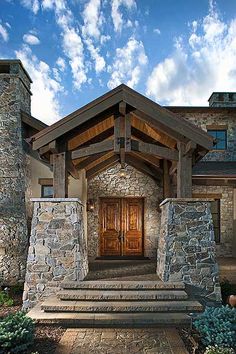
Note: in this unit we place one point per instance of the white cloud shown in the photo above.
(104, 38)
(61, 63)
(32, 5)
(116, 14)
(71, 40)
(73, 48)
(100, 63)
(93, 19)
(45, 103)
(3, 33)
(128, 64)
(157, 31)
(31, 39)
(204, 64)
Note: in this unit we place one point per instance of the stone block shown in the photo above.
(55, 254)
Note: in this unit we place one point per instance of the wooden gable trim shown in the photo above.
(77, 118)
(167, 119)
(151, 112)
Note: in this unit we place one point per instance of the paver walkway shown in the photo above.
(121, 341)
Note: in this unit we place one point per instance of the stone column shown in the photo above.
(186, 250)
(14, 97)
(57, 250)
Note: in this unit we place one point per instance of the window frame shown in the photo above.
(42, 190)
(215, 129)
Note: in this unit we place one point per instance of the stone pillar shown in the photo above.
(186, 250)
(14, 97)
(57, 250)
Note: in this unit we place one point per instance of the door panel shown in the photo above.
(121, 227)
(110, 227)
(133, 226)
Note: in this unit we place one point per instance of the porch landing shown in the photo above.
(122, 270)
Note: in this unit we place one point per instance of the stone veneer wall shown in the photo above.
(186, 250)
(216, 117)
(14, 97)
(224, 248)
(57, 251)
(109, 184)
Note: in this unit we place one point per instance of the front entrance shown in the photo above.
(121, 226)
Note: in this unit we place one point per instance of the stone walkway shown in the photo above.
(121, 341)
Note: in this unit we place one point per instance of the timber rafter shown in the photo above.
(124, 126)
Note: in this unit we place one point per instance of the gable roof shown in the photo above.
(151, 112)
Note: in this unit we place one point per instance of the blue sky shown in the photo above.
(175, 52)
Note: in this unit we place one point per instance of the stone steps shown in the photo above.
(122, 295)
(122, 285)
(53, 304)
(89, 320)
(117, 303)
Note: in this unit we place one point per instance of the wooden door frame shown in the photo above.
(100, 220)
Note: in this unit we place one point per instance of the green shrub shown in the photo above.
(217, 326)
(5, 299)
(227, 289)
(16, 333)
(218, 350)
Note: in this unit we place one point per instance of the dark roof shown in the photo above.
(199, 109)
(32, 121)
(215, 168)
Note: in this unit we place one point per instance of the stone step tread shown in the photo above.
(109, 319)
(116, 284)
(101, 295)
(56, 305)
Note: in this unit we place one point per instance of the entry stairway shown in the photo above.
(118, 303)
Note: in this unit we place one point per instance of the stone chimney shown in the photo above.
(222, 99)
(15, 97)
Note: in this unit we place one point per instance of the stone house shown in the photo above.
(91, 184)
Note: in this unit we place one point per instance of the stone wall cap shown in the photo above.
(56, 200)
(185, 200)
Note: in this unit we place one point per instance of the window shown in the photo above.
(221, 138)
(46, 191)
(215, 211)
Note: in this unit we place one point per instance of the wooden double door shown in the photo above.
(121, 226)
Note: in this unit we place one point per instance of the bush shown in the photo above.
(219, 350)
(217, 326)
(5, 299)
(16, 333)
(227, 289)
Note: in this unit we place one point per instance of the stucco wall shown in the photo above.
(109, 184)
(77, 188)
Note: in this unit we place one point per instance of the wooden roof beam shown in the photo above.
(106, 145)
(159, 151)
(171, 124)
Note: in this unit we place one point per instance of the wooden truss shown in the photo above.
(126, 127)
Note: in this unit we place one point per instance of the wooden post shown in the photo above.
(60, 175)
(184, 173)
(166, 180)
